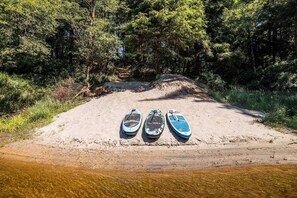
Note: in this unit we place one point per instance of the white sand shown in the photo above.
(97, 123)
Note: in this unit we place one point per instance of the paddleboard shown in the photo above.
(154, 124)
(131, 122)
(179, 124)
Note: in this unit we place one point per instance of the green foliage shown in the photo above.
(244, 42)
(17, 93)
(251, 41)
(280, 107)
(281, 75)
(211, 80)
(20, 126)
(28, 24)
(97, 42)
(98, 45)
(163, 33)
(31, 107)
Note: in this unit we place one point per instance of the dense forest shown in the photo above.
(221, 44)
(232, 42)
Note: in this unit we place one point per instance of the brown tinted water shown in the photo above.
(22, 179)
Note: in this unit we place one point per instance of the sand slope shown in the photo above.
(96, 124)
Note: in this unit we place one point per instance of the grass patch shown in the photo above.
(280, 107)
(24, 106)
(17, 93)
(21, 126)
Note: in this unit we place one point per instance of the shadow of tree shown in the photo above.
(132, 86)
(165, 80)
(255, 114)
(182, 93)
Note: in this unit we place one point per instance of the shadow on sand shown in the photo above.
(145, 138)
(182, 93)
(123, 135)
(254, 114)
(132, 86)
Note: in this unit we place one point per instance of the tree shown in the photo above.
(97, 41)
(30, 29)
(247, 37)
(162, 31)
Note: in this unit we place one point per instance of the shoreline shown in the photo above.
(90, 136)
(151, 158)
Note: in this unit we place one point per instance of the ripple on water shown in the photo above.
(21, 179)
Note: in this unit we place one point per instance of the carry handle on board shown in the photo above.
(155, 111)
(131, 113)
(172, 111)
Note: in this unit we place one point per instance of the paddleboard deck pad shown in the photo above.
(154, 124)
(131, 122)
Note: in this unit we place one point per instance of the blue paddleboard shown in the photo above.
(179, 124)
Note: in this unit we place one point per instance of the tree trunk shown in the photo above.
(172, 67)
(295, 36)
(253, 59)
(184, 67)
(198, 64)
(274, 47)
(269, 44)
(71, 49)
(93, 10)
(90, 61)
(252, 54)
(88, 71)
(156, 57)
(188, 69)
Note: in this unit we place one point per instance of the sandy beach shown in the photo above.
(90, 134)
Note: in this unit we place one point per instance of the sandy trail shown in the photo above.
(92, 131)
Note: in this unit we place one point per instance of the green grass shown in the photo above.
(17, 93)
(280, 107)
(24, 106)
(22, 125)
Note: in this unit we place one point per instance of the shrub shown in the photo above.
(21, 125)
(17, 93)
(99, 78)
(213, 81)
(62, 93)
(281, 76)
(66, 89)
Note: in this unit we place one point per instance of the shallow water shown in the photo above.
(23, 179)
